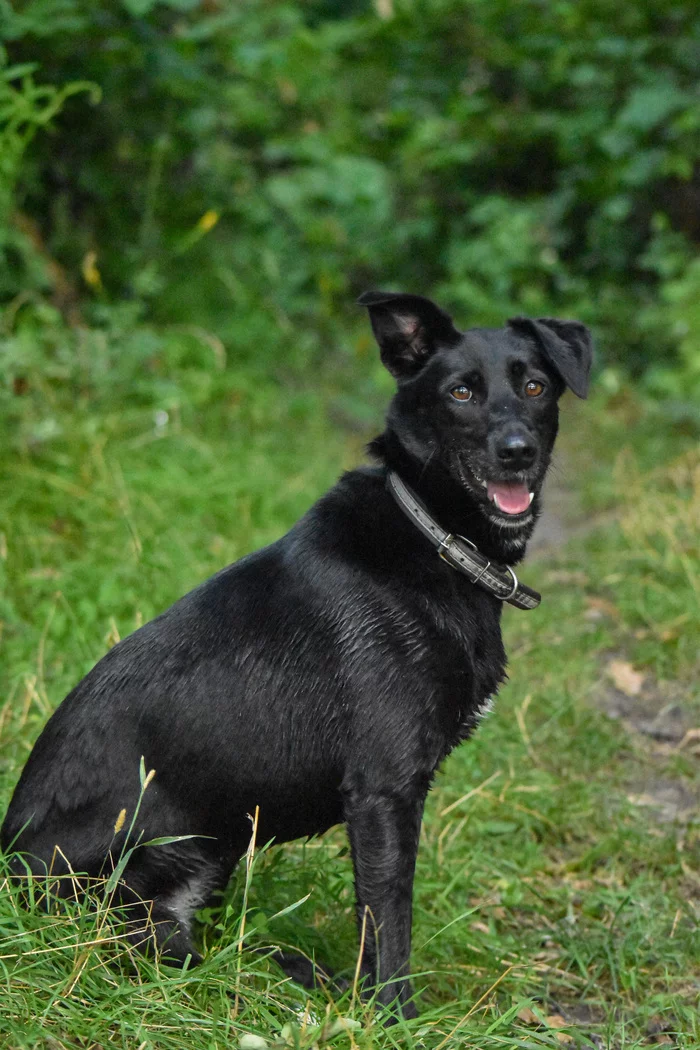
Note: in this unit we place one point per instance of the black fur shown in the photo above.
(325, 677)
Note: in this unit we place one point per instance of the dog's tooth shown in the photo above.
(532, 496)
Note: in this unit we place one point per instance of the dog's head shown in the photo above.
(479, 407)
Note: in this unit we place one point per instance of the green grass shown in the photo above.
(541, 883)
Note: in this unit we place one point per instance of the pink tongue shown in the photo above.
(511, 499)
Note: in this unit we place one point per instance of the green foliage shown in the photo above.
(25, 108)
(675, 318)
(253, 165)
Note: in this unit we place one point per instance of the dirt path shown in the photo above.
(654, 713)
(560, 519)
(660, 724)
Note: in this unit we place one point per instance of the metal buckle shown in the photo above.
(448, 540)
(487, 566)
(445, 545)
(515, 585)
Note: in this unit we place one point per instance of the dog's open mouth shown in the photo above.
(510, 498)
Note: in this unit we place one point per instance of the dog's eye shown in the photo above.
(461, 393)
(533, 388)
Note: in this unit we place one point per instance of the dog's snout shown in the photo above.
(516, 450)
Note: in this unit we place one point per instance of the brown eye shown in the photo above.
(533, 388)
(461, 393)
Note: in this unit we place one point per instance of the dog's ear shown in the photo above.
(567, 345)
(408, 329)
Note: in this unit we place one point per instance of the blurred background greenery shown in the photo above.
(245, 169)
(192, 195)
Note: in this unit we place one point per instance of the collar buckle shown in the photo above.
(508, 597)
(447, 541)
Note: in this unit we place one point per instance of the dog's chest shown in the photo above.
(466, 662)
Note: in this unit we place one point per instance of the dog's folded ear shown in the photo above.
(408, 328)
(567, 345)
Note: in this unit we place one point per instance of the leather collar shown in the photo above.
(460, 553)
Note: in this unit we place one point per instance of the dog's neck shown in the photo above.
(451, 504)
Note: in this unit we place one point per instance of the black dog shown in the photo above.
(325, 677)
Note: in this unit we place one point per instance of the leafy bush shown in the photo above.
(252, 166)
(25, 108)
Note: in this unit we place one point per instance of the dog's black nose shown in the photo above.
(516, 450)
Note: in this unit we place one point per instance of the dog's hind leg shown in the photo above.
(304, 971)
(158, 911)
(153, 926)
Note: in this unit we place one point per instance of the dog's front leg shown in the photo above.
(384, 829)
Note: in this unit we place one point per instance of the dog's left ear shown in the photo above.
(566, 344)
(408, 329)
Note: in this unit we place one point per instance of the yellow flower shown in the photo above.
(208, 221)
(91, 274)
